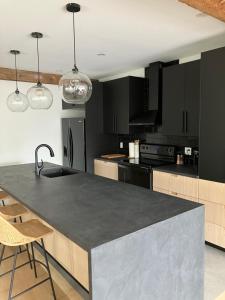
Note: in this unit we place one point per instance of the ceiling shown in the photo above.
(131, 33)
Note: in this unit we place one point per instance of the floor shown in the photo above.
(214, 274)
(25, 277)
(214, 280)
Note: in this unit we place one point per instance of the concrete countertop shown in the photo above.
(88, 209)
(185, 170)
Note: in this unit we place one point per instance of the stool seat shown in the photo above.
(23, 234)
(19, 234)
(3, 194)
(12, 211)
(33, 229)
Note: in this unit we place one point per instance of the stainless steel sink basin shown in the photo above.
(58, 172)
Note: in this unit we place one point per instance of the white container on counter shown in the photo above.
(136, 149)
(131, 150)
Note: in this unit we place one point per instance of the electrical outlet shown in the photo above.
(188, 150)
(121, 145)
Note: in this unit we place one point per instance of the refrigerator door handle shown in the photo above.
(68, 146)
(71, 148)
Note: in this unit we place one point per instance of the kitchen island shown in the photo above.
(121, 241)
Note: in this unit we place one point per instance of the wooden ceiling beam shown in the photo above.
(214, 8)
(29, 76)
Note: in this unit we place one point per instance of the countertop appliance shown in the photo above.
(139, 171)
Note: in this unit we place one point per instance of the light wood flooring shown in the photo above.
(24, 278)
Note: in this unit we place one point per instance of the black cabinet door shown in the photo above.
(97, 143)
(192, 98)
(122, 105)
(173, 100)
(109, 94)
(123, 98)
(212, 116)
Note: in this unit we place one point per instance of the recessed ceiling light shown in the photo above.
(101, 54)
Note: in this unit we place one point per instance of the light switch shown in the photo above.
(121, 145)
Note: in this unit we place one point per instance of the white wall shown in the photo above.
(21, 133)
(137, 72)
(141, 71)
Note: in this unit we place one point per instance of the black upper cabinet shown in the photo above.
(181, 97)
(123, 99)
(212, 116)
(173, 100)
(97, 143)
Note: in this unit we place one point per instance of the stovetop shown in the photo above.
(152, 155)
(147, 163)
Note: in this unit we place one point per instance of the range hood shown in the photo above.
(152, 115)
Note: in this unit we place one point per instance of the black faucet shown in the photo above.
(40, 166)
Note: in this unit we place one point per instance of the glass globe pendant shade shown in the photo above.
(75, 87)
(17, 102)
(39, 97)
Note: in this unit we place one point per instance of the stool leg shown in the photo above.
(35, 270)
(13, 274)
(48, 269)
(2, 254)
(28, 254)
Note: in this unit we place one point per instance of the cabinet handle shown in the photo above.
(174, 193)
(186, 121)
(183, 121)
(115, 124)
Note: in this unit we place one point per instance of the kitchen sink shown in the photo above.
(58, 172)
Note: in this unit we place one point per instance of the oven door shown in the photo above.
(136, 175)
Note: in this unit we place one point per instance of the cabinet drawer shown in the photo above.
(176, 184)
(106, 169)
(175, 194)
(212, 191)
(214, 213)
(214, 223)
(161, 180)
(215, 234)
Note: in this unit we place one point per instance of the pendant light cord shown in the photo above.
(17, 90)
(38, 61)
(74, 44)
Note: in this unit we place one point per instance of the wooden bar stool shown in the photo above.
(9, 212)
(13, 211)
(21, 234)
(2, 196)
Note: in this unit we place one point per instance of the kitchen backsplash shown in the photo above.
(158, 138)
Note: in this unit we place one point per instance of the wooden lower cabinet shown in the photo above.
(71, 256)
(212, 195)
(176, 185)
(209, 193)
(106, 169)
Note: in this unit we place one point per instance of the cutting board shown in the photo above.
(111, 156)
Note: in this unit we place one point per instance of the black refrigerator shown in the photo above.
(84, 138)
(74, 148)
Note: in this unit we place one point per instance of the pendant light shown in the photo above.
(76, 87)
(17, 102)
(38, 95)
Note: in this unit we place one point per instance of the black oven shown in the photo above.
(138, 171)
(137, 175)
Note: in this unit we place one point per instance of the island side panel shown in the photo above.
(162, 261)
